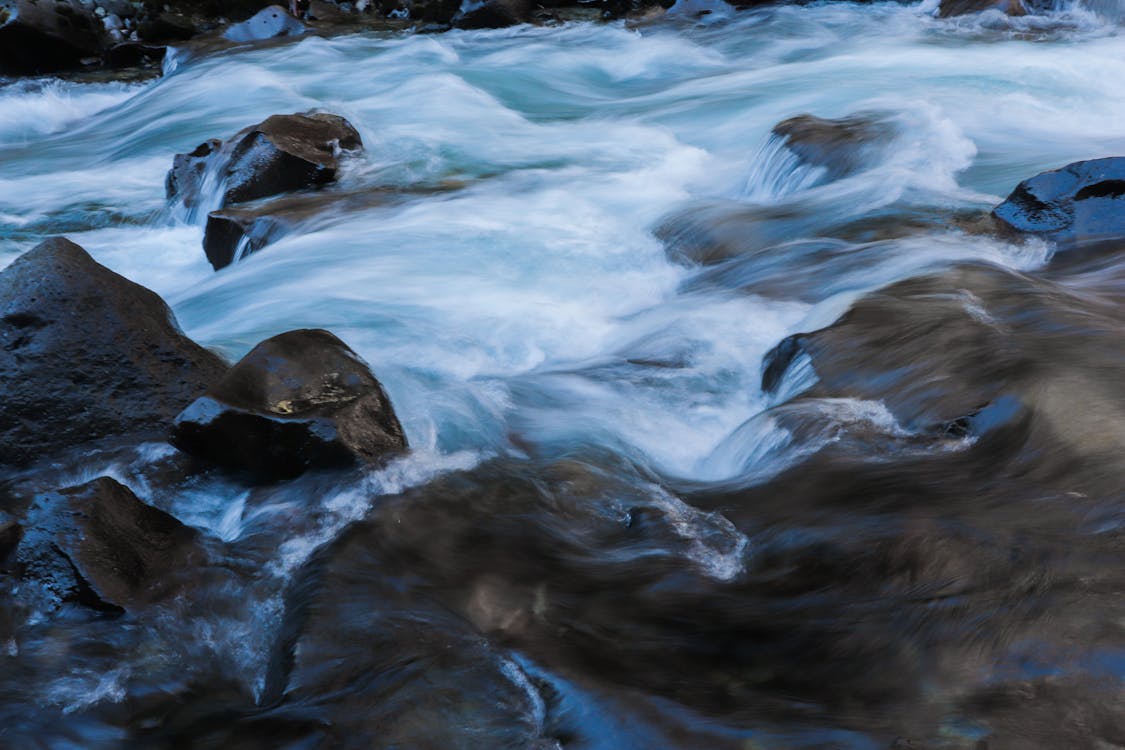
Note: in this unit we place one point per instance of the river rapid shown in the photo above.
(610, 532)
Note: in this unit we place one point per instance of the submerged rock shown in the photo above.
(299, 400)
(87, 354)
(949, 8)
(99, 545)
(237, 231)
(841, 146)
(268, 23)
(280, 154)
(45, 36)
(1081, 203)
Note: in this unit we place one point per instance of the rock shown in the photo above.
(87, 354)
(282, 153)
(167, 27)
(949, 8)
(129, 54)
(185, 179)
(840, 146)
(299, 400)
(10, 535)
(268, 23)
(1082, 203)
(99, 545)
(237, 231)
(45, 36)
(491, 14)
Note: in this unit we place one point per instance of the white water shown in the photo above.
(534, 309)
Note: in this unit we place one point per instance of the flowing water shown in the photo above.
(607, 533)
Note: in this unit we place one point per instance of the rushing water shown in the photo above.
(524, 316)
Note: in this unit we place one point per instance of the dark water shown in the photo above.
(712, 448)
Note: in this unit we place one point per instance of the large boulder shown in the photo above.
(282, 153)
(99, 545)
(45, 36)
(87, 354)
(299, 400)
(268, 23)
(1080, 204)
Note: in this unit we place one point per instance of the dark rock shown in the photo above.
(949, 8)
(492, 14)
(268, 23)
(167, 27)
(185, 179)
(129, 54)
(99, 545)
(237, 231)
(86, 354)
(283, 153)
(841, 146)
(777, 361)
(10, 535)
(45, 36)
(299, 400)
(1082, 203)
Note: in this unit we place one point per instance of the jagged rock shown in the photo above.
(11, 533)
(299, 400)
(45, 36)
(268, 23)
(1081, 203)
(87, 354)
(99, 545)
(280, 154)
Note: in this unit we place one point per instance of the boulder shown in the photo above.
(45, 36)
(99, 545)
(280, 154)
(269, 23)
(1082, 203)
(299, 400)
(841, 146)
(87, 354)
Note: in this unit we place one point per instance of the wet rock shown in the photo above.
(87, 354)
(949, 8)
(234, 232)
(185, 179)
(280, 154)
(268, 23)
(1080, 204)
(491, 14)
(99, 545)
(299, 400)
(841, 146)
(45, 36)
